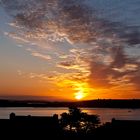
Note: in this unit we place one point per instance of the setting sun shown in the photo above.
(79, 95)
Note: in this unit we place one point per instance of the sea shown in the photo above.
(105, 114)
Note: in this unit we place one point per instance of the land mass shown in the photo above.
(99, 103)
(75, 125)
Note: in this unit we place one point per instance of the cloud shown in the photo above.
(70, 20)
(131, 35)
(58, 19)
(16, 37)
(43, 56)
(122, 69)
(67, 64)
(74, 21)
(127, 67)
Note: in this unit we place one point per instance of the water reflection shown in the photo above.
(106, 114)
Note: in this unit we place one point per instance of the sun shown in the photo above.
(79, 95)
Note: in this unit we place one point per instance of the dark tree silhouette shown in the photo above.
(78, 121)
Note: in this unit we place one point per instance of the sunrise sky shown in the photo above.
(69, 49)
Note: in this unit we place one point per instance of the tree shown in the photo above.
(78, 121)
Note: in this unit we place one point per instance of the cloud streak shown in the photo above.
(46, 57)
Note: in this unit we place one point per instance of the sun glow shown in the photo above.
(79, 95)
(82, 90)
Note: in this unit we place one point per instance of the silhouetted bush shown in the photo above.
(78, 121)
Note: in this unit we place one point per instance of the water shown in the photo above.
(106, 114)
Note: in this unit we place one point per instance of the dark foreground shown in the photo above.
(43, 128)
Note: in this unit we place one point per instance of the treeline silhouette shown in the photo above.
(100, 103)
(72, 125)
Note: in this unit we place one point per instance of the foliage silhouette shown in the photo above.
(77, 121)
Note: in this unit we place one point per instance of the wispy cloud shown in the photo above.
(43, 56)
(16, 37)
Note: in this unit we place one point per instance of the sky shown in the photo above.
(62, 50)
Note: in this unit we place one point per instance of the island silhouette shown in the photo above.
(98, 103)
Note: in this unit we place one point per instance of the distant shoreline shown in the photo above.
(100, 103)
(67, 107)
